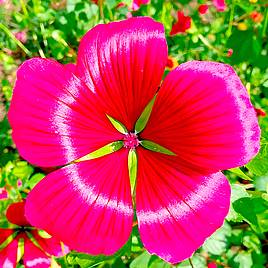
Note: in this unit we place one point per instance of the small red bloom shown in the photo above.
(212, 265)
(220, 5)
(121, 4)
(183, 23)
(230, 52)
(171, 63)
(34, 256)
(202, 9)
(59, 116)
(260, 112)
(256, 16)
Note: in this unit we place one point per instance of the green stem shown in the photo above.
(10, 34)
(40, 50)
(231, 20)
(265, 23)
(24, 9)
(207, 43)
(100, 3)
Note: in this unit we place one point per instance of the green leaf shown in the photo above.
(237, 192)
(258, 165)
(34, 180)
(141, 261)
(107, 149)
(240, 173)
(118, 125)
(132, 169)
(244, 206)
(100, 258)
(22, 170)
(216, 244)
(152, 146)
(261, 183)
(144, 117)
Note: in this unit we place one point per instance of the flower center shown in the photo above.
(131, 141)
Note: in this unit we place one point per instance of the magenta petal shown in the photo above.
(203, 114)
(8, 255)
(86, 205)
(176, 213)
(123, 63)
(34, 256)
(54, 116)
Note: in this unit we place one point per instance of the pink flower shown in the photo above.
(220, 5)
(183, 24)
(34, 256)
(202, 115)
(3, 193)
(21, 36)
(202, 9)
(137, 3)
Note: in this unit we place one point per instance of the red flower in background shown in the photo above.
(59, 115)
(230, 52)
(260, 112)
(183, 24)
(172, 63)
(137, 3)
(202, 9)
(256, 16)
(220, 5)
(36, 250)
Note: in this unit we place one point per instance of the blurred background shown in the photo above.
(231, 31)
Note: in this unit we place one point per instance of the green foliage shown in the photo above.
(54, 29)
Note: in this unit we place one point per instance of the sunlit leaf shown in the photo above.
(144, 117)
(152, 146)
(240, 173)
(118, 125)
(132, 169)
(107, 149)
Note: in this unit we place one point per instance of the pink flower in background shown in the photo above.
(202, 9)
(37, 253)
(59, 115)
(21, 36)
(137, 3)
(3, 193)
(220, 5)
(183, 24)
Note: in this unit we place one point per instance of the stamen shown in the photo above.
(131, 141)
